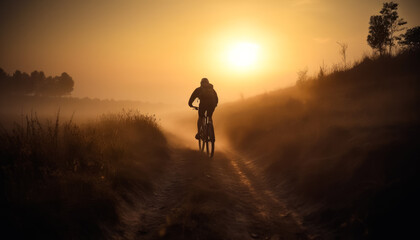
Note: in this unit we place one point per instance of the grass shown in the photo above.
(347, 140)
(62, 180)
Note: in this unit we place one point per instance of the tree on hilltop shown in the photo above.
(383, 28)
(411, 39)
(377, 34)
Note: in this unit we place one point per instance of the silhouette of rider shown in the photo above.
(208, 101)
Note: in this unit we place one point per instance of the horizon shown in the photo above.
(157, 53)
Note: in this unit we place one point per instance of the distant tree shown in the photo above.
(377, 34)
(322, 70)
(57, 86)
(394, 23)
(65, 84)
(411, 39)
(343, 53)
(3, 74)
(21, 83)
(16, 81)
(37, 83)
(46, 87)
(302, 76)
(38, 78)
(383, 28)
(4, 80)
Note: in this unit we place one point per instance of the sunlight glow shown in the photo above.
(243, 55)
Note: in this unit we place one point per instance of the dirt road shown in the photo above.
(202, 198)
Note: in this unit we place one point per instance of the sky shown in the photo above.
(158, 50)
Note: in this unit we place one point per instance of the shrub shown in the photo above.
(62, 180)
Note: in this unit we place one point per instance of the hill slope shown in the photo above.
(347, 143)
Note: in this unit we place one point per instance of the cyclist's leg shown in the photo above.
(200, 119)
(210, 111)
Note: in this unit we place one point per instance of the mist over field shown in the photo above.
(99, 137)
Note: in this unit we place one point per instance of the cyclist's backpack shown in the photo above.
(208, 96)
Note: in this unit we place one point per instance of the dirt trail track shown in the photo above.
(202, 198)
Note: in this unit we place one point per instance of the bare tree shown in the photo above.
(302, 76)
(343, 53)
(322, 70)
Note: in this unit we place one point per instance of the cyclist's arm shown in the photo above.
(194, 95)
(217, 98)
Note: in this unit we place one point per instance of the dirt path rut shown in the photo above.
(202, 198)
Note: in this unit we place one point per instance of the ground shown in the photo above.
(218, 198)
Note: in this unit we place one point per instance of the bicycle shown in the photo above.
(206, 135)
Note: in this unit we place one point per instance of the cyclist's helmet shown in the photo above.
(204, 81)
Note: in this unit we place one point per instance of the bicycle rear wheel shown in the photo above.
(210, 140)
(201, 137)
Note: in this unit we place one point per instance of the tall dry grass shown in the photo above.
(62, 180)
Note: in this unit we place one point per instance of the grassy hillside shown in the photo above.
(347, 142)
(64, 181)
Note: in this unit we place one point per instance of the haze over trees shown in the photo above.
(21, 83)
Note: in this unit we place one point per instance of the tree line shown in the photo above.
(36, 83)
(383, 31)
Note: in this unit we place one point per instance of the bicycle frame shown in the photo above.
(206, 135)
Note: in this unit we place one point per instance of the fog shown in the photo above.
(157, 51)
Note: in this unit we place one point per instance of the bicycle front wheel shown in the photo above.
(201, 144)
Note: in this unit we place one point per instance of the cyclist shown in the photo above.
(208, 101)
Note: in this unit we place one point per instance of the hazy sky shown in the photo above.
(158, 50)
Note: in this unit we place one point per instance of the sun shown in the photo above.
(243, 55)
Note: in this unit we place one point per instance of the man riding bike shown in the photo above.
(208, 101)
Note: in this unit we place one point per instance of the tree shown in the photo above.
(343, 53)
(302, 76)
(37, 83)
(4, 81)
(393, 21)
(411, 39)
(21, 83)
(377, 34)
(65, 84)
(322, 70)
(3, 74)
(38, 79)
(56, 86)
(383, 28)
